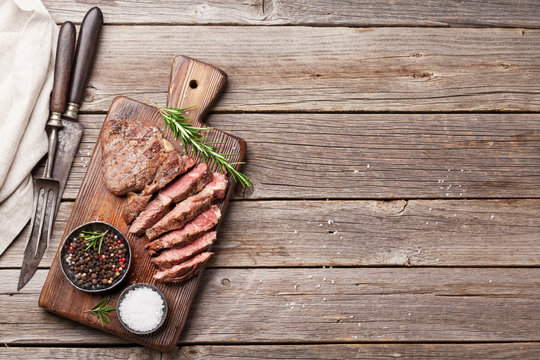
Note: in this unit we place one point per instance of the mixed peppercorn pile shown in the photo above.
(96, 264)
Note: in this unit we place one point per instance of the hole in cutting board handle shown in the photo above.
(193, 84)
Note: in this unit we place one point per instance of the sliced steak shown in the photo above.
(175, 256)
(190, 208)
(135, 204)
(188, 184)
(155, 210)
(185, 270)
(136, 156)
(202, 223)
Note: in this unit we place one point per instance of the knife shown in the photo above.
(39, 235)
(70, 136)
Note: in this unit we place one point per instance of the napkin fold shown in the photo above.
(27, 52)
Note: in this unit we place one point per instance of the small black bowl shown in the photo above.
(123, 295)
(97, 226)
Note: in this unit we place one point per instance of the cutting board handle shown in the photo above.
(194, 83)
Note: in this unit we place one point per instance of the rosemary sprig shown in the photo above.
(93, 239)
(178, 123)
(102, 310)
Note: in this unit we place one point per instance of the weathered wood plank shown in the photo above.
(316, 155)
(360, 351)
(299, 306)
(517, 13)
(413, 233)
(521, 351)
(120, 353)
(328, 69)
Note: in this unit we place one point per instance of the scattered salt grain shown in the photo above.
(318, 286)
(295, 287)
(338, 253)
(355, 171)
(368, 166)
(334, 233)
(341, 238)
(323, 299)
(324, 279)
(430, 209)
(330, 222)
(437, 260)
(492, 217)
(409, 314)
(310, 276)
(320, 224)
(324, 246)
(290, 241)
(351, 316)
(142, 309)
(296, 232)
(260, 281)
(359, 324)
(490, 281)
(332, 281)
(356, 337)
(303, 305)
(292, 307)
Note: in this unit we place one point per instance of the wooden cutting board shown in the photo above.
(192, 82)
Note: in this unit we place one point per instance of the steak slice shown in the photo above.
(155, 210)
(135, 204)
(185, 270)
(202, 223)
(136, 156)
(190, 208)
(188, 184)
(174, 256)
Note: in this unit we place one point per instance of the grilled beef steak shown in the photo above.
(190, 208)
(185, 270)
(137, 157)
(188, 184)
(135, 204)
(155, 210)
(178, 190)
(175, 256)
(202, 223)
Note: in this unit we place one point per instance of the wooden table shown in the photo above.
(395, 152)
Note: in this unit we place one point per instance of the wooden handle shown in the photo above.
(62, 67)
(194, 83)
(84, 55)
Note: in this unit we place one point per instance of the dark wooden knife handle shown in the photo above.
(62, 67)
(84, 54)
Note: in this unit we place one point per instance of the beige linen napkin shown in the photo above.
(27, 49)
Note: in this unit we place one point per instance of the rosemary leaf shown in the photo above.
(101, 310)
(190, 135)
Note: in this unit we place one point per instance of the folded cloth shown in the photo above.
(27, 51)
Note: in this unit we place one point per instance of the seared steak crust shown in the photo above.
(137, 156)
(185, 270)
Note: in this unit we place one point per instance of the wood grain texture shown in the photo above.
(521, 351)
(368, 233)
(329, 69)
(518, 13)
(50, 353)
(263, 306)
(359, 351)
(96, 202)
(314, 156)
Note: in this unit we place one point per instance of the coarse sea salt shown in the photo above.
(141, 309)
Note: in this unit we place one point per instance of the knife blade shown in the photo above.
(39, 235)
(71, 134)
